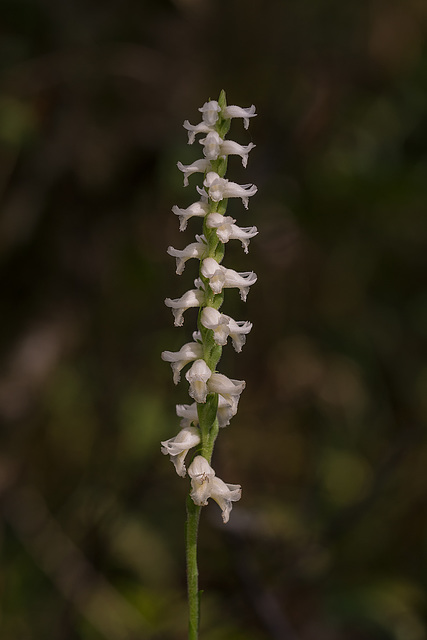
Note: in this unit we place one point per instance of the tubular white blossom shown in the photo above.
(178, 447)
(231, 148)
(194, 250)
(226, 411)
(197, 376)
(199, 209)
(214, 146)
(201, 474)
(198, 166)
(188, 414)
(224, 495)
(220, 188)
(233, 111)
(210, 111)
(222, 278)
(191, 298)
(224, 326)
(194, 129)
(218, 322)
(229, 389)
(205, 485)
(226, 229)
(178, 359)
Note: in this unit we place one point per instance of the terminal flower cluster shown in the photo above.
(215, 396)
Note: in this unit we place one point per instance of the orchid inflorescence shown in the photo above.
(215, 395)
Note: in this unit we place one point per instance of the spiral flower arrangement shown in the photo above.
(215, 396)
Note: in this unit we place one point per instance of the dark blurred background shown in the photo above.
(329, 541)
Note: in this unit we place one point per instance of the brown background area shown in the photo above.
(329, 540)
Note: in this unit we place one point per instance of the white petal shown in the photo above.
(202, 127)
(231, 148)
(199, 209)
(212, 145)
(192, 298)
(197, 376)
(178, 359)
(193, 250)
(233, 111)
(219, 383)
(201, 474)
(188, 413)
(210, 111)
(224, 495)
(178, 447)
(220, 188)
(198, 166)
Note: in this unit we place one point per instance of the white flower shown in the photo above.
(198, 166)
(218, 322)
(197, 376)
(189, 416)
(224, 495)
(199, 209)
(224, 326)
(178, 359)
(193, 129)
(188, 413)
(231, 148)
(233, 111)
(226, 229)
(179, 446)
(210, 111)
(201, 474)
(205, 485)
(191, 298)
(222, 278)
(229, 389)
(193, 250)
(214, 146)
(226, 411)
(220, 188)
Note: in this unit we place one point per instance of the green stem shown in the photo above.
(191, 530)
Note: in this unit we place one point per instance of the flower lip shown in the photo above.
(197, 376)
(221, 188)
(191, 298)
(178, 447)
(179, 359)
(233, 111)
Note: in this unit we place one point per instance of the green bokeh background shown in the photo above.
(329, 541)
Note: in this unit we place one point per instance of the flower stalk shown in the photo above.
(215, 395)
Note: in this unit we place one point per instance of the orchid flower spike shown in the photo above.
(233, 111)
(215, 397)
